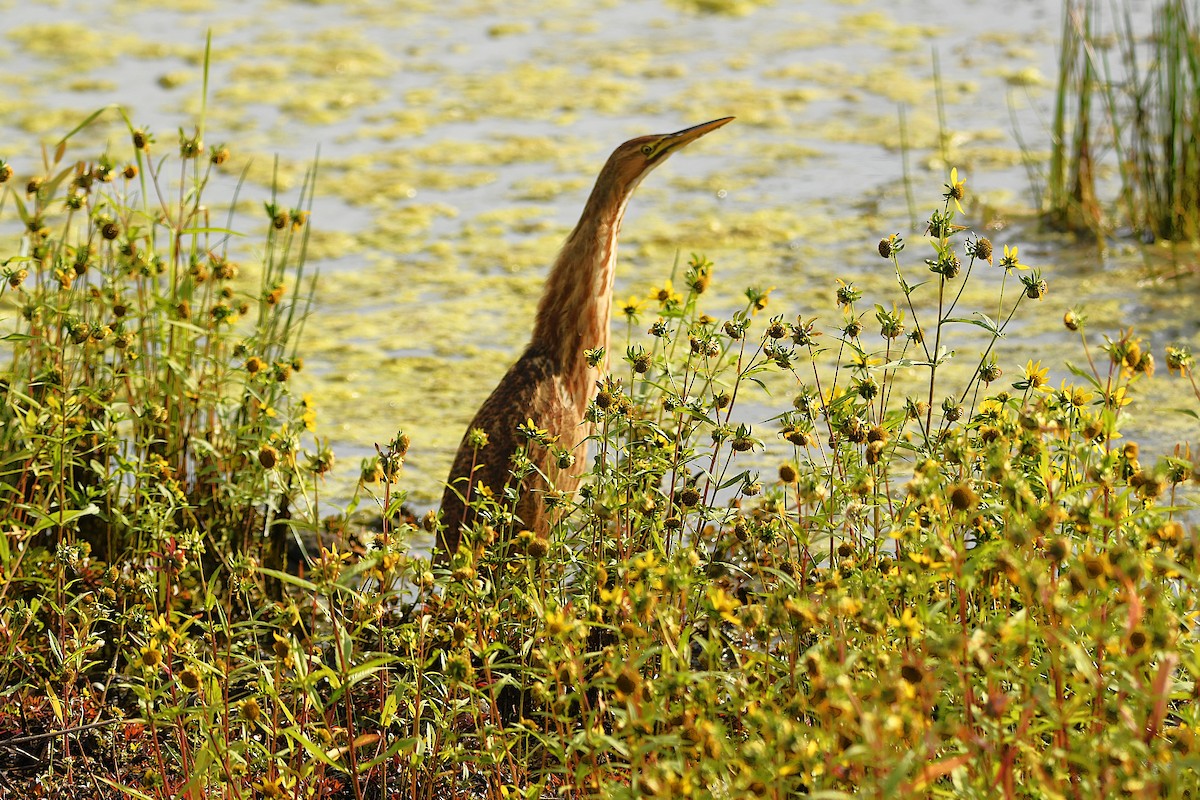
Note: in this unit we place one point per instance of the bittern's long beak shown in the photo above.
(688, 135)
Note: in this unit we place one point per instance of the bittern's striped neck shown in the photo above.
(575, 311)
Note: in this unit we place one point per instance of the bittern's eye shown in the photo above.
(647, 149)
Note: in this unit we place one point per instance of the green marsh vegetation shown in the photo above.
(945, 586)
(1131, 100)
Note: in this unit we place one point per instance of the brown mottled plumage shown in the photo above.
(552, 383)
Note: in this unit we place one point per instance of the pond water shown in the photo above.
(458, 140)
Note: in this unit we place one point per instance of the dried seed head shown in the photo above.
(795, 436)
(189, 679)
(963, 497)
(268, 456)
(537, 548)
(847, 294)
(855, 430)
(224, 270)
(628, 682)
(1180, 359)
(742, 443)
(1057, 549)
(190, 147)
(981, 248)
(250, 710)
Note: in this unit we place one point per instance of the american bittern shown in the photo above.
(552, 382)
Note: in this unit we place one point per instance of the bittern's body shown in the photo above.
(552, 382)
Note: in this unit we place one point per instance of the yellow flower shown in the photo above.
(632, 306)
(1117, 398)
(1010, 260)
(666, 295)
(1075, 395)
(861, 362)
(558, 624)
(531, 431)
(309, 416)
(925, 560)
(161, 630)
(333, 555)
(758, 298)
(991, 408)
(150, 656)
(908, 622)
(956, 190)
(1036, 377)
(723, 604)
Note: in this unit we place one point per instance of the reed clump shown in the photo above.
(1137, 110)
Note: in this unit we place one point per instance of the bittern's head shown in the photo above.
(634, 160)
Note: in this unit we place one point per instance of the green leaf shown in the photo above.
(368, 668)
(87, 121)
(983, 321)
(313, 749)
(126, 791)
(210, 229)
(47, 519)
(1082, 373)
(288, 578)
(902, 362)
(395, 747)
